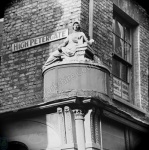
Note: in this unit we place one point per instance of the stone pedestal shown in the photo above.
(80, 78)
(77, 78)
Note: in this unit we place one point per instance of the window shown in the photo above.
(123, 137)
(122, 57)
(122, 38)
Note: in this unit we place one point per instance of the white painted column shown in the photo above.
(69, 125)
(92, 133)
(80, 131)
(61, 121)
(67, 128)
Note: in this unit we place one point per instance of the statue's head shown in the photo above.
(76, 26)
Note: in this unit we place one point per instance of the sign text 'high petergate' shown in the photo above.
(39, 40)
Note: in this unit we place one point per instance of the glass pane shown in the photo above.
(116, 68)
(127, 51)
(119, 39)
(122, 40)
(119, 46)
(119, 31)
(124, 72)
(127, 47)
(127, 34)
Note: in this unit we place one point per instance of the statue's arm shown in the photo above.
(63, 44)
(86, 39)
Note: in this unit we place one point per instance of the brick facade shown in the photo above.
(21, 72)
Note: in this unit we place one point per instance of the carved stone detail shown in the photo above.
(92, 130)
(61, 125)
(89, 126)
(59, 110)
(97, 131)
(69, 124)
(71, 50)
(92, 123)
(79, 114)
(80, 130)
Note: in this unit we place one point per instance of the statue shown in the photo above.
(74, 41)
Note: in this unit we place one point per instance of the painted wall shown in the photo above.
(37, 133)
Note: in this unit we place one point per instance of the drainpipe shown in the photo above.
(91, 6)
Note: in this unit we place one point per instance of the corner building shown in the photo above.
(75, 105)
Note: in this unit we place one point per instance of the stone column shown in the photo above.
(80, 131)
(69, 122)
(61, 125)
(92, 133)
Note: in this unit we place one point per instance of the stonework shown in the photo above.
(21, 72)
(71, 104)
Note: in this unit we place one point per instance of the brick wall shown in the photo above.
(103, 14)
(102, 30)
(144, 65)
(21, 72)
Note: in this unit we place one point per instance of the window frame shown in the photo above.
(127, 63)
(127, 25)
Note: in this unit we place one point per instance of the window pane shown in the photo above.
(116, 68)
(119, 46)
(119, 29)
(124, 72)
(127, 34)
(127, 51)
(121, 39)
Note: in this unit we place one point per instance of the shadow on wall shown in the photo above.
(143, 144)
(34, 132)
(32, 58)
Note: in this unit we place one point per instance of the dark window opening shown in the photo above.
(15, 145)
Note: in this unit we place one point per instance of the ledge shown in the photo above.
(120, 100)
(80, 62)
(71, 146)
(93, 146)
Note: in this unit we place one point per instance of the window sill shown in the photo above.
(122, 60)
(127, 103)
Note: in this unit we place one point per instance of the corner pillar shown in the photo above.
(80, 131)
(66, 127)
(92, 132)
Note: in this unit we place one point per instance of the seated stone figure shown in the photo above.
(74, 41)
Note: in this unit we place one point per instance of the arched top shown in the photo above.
(16, 145)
